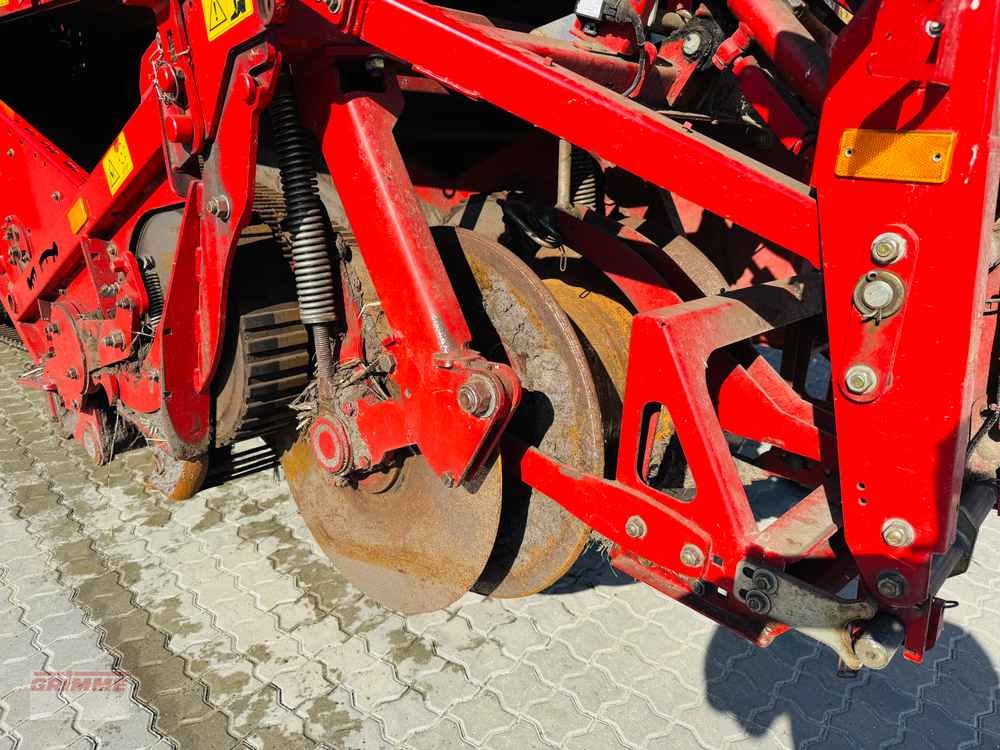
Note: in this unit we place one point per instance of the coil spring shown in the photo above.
(585, 188)
(307, 222)
(154, 289)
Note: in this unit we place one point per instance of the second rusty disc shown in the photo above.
(515, 319)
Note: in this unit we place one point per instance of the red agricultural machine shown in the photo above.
(497, 280)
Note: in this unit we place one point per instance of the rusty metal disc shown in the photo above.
(414, 545)
(408, 542)
(514, 319)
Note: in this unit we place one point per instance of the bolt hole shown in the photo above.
(861, 486)
(937, 156)
(848, 152)
(716, 560)
(862, 501)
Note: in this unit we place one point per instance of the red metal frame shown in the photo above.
(73, 288)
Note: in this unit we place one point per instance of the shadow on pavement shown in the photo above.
(792, 689)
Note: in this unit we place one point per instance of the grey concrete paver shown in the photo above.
(233, 630)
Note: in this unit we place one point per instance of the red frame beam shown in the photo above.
(472, 60)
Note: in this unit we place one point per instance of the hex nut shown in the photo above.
(897, 533)
(891, 585)
(860, 379)
(635, 527)
(888, 247)
(692, 556)
(477, 396)
(758, 602)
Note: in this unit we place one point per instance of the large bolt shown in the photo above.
(115, 339)
(635, 527)
(888, 247)
(691, 44)
(758, 602)
(934, 29)
(877, 293)
(219, 207)
(692, 556)
(375, 66)
(860, 379)
(891, 585)
(765, 581)
(476, 397)
(897, 533)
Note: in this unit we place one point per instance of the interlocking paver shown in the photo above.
(232, 627)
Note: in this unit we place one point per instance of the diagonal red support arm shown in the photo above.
(470, 59)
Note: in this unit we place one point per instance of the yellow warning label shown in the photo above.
(222, 15)
(117, 164)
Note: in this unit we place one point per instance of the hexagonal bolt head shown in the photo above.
(692, 556)
(765, 581)
(890, 585)
(888, 247)
(219, 207)
(758, 602)
(860, 379)
(115, 339)
(476, 396)
(897, 533)
(635, 527)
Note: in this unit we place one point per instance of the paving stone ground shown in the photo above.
(233, 630)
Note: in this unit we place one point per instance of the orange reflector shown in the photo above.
(911, 156)
(77, 216)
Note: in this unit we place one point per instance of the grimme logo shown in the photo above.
(79, 682)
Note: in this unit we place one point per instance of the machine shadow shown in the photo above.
(792, 689)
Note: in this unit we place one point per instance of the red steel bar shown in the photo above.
(473, 61)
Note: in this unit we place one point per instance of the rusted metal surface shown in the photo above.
(177, 479)
(415, 546)
(515, 319)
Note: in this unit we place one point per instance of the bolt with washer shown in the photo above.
(891, 585)
(635, 527)
(219, 207)
(897, 533)
(692, 556)
(758, 602)
(888, 247)
(860, 379)
(477, 396)
(765, 581)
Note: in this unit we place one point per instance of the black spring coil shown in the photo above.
(306, 218)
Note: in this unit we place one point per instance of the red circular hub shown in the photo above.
(330, 445)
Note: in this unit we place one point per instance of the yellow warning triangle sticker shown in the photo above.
(222, 15)
(217, 15)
